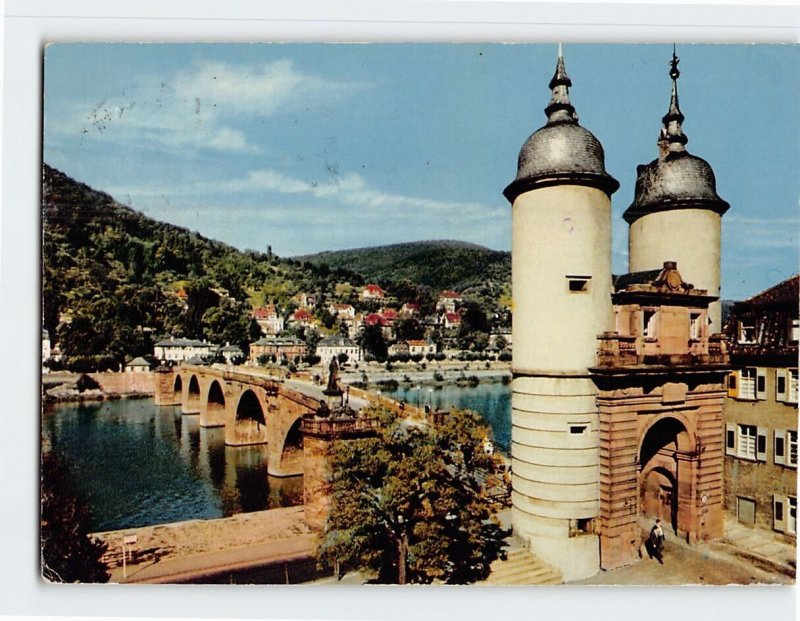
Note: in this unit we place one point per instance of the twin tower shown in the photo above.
(562, 291)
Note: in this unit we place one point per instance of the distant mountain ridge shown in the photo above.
(439, 264)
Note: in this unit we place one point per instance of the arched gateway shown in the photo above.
(660, 399)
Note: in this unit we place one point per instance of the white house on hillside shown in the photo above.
(179, 350)
(332, 346)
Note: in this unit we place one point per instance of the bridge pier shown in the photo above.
(319, 435)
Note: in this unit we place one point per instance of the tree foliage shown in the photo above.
(411, 504)
(68, 553)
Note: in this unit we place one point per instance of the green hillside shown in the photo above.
(437, 264)
(115, 281)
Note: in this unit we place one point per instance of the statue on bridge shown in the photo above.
(334, 404)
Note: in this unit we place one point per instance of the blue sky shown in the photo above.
(311, 147)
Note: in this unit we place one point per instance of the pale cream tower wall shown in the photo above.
(692, 238)
(561, 286)
(558, 232)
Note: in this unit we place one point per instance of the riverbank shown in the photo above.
(202, 550)
(67, 387)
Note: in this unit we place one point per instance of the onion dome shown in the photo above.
(561, 152)
(676, 179)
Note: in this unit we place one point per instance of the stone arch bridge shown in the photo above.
(252, 408)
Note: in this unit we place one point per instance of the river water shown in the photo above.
(492, 401)
(138, 464)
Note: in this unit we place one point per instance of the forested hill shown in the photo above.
(437, 264)
(114, 281)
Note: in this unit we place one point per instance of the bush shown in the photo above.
(505, 356)
(438, 377)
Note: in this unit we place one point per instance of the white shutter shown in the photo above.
(779, 447)
(781, 384)
(779, 506)
(730, 439)
(761, 383)
(761, 444)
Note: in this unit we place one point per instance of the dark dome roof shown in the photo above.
(563, 148)
(678, 180)
(561, 152)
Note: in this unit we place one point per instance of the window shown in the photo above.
(747, 331)
(730, 439)
(747, 442)
(761, 384)
(747, 383)
(578, 284)
(695, 326)
(648, 323)
(751, 443)
(781, 393)
(784, 514)
(794, 332)
(784, 450)
(779, 447)
(792, 386)
(577, 429)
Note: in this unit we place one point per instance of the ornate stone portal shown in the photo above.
(660, 398)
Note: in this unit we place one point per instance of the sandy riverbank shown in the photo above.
(186, 550)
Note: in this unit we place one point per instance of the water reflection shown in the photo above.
(138, 464)
(491, 400)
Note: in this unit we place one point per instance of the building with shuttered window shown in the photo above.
(761, 409)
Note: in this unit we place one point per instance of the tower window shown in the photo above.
(577, 429)
(648, 323)
(578, 284)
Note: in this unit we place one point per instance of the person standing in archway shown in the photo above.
(657, 541)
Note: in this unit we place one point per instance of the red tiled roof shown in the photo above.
(374, 289)
(264, 312)
(449, 294)
(374, 319)
(453, 317)
(302, 314)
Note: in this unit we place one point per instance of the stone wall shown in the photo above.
(126, 383)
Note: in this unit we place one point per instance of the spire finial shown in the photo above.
(673, 119)
(560, 109)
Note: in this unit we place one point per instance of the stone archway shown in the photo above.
(177, 387)
(665, 481)
(213, 415)
(249, 423)
(292, 452)
(191, 404)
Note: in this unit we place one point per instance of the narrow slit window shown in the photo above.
(578, 284)
(577, 429)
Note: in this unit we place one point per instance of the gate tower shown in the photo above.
(561, 282)
(676, 214)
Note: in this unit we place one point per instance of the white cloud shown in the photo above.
(197, 108)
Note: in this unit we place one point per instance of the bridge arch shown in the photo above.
(291, 456)
(177, 387)
(249, 408)
(192, 404)
(194, 388)
(216, 397)
(249, 425)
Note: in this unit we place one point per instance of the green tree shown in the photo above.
(411, 503)
(373, 342)
(68, 553)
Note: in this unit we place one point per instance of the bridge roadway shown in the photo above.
(254, 407)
